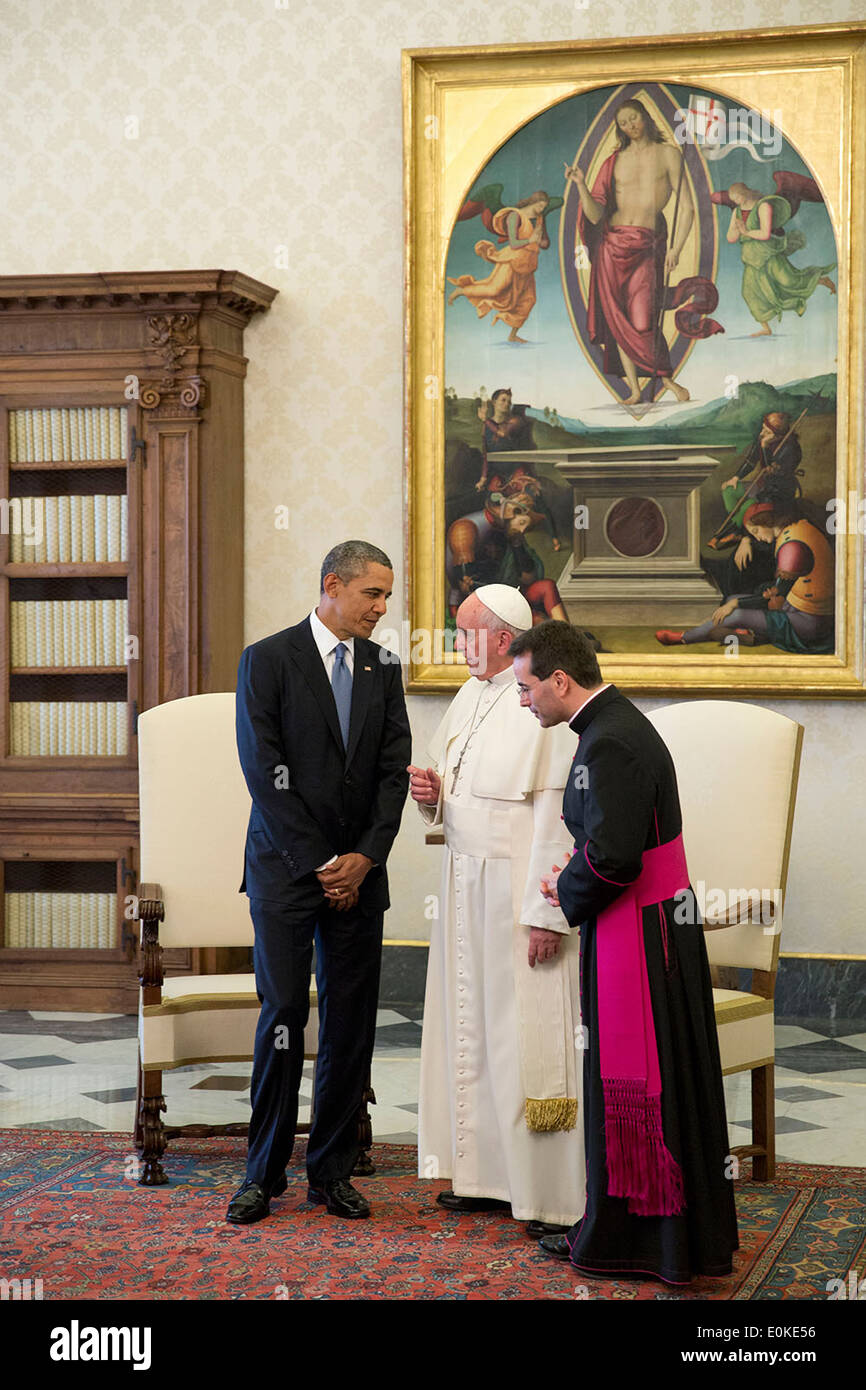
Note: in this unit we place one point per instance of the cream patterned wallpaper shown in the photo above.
(265, 135)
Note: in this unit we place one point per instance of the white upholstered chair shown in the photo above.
(737, 767)
(194, 808)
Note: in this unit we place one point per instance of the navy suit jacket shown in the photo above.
(313, 798)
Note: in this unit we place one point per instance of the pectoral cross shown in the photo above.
(456, 773)
(472, 731)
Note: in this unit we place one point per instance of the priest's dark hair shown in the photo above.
(351, 558)
(557, 646)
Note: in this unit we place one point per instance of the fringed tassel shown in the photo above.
(639, 1165)
(559, 1113)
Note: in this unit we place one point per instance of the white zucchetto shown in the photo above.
(506, 603)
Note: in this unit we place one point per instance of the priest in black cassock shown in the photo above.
(660, 1198)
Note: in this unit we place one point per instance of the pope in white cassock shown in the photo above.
(501, 1065)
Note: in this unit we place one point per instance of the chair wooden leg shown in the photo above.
(153, 1130)
(364, 1165)
(764, 1122)
(137, 1131)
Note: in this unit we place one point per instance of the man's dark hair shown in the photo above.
(351, 558)
(557, 646)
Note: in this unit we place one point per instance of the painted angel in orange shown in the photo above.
(510, 286)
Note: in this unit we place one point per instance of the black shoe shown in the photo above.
(250, 1203)
(536, 1229)
(340, 1198)
(452, 1202)
(557, 1246)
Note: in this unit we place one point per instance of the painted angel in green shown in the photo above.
(771, 284)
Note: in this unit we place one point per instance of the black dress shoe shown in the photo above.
(250, 1203)
(340, 1199)
(452, 1202)
(536, 1229)
(557, 1246)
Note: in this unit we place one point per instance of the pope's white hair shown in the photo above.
(493, 623)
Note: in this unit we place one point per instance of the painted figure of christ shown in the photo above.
(621, 221)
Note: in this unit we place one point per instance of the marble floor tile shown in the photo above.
(789, 1035)
(388, 1120)
(47, 1059)
(403, 1035)
(72, 1018)
(853, 1076)
(14, 1045)
(220, 1082)
(23, 1113)
(792, 1095)
(386, 1017)
(841, 1148)
(848, 1111)
(785, 1124)
(816, 1058)
(112, 1096)
(74, 1123)
(96, 1050)
(828, 1027)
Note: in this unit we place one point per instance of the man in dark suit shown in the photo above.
(659, 1199)
(324, 743)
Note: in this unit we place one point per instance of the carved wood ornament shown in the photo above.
(173, 334)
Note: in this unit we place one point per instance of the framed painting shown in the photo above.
(635, 353)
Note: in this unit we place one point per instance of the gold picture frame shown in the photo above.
(461, 107)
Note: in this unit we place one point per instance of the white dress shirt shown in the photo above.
(327, 643)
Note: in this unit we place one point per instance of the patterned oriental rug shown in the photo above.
(72, 1214)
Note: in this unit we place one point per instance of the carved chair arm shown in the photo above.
(745, 911)
(150, 911)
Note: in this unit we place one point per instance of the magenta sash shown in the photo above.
(639, 1165)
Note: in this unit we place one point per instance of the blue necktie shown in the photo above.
(341, 684)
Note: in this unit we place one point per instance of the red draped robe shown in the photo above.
(626, 288)
(625, 285)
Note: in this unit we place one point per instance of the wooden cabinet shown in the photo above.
(121, 587)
